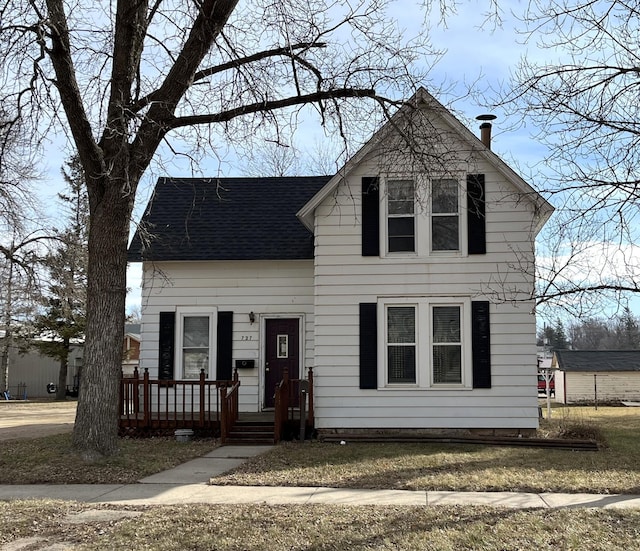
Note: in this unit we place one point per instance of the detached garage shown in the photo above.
(602, 375)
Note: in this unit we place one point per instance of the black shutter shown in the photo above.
(166, 337)
(481, 344)
(476, 219)
(368, 345)
(224, 356)
(370, 217)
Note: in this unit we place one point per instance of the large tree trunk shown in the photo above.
(96, 428)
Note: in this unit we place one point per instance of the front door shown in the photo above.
(282, 351)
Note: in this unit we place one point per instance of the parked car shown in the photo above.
(542, 384)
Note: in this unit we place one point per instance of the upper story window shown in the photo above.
(423, 216)
(445, 215)
(401, 228)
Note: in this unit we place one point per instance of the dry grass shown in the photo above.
(614, 469)
(259, 527)
(51, 460)
(44, 523)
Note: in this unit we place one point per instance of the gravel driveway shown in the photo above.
(34, 419)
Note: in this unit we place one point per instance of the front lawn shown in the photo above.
(51, 460)
(614, 469)
(319, 527)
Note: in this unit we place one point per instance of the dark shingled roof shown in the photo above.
(226, 219)
(598, 360)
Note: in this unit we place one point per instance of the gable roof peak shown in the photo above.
(423, 101)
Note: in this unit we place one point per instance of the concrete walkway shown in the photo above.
(188, 483)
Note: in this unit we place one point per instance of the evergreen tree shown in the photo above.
(627, 331)
(553, 338)
(560, 341)
(64, 316)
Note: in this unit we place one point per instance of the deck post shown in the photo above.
(224, 414)
(146, 417)
(136, 389)
(310, 413)
(201, 418)
(121, 397)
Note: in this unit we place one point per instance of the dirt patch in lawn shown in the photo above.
(19, 420)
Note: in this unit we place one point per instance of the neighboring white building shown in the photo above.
(404, 281)
(30, 372)
(597, 375)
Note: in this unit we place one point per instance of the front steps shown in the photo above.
(251, 433)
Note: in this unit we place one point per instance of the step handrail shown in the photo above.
(229, 407)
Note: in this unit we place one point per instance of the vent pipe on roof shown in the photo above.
(485, 129)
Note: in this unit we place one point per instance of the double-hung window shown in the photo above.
(401, 223)
(423, 216)
(446, 344)
(195, 342)
(425, 343)
(445, 215)
(401, 344)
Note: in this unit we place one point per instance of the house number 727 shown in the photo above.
(246, 338)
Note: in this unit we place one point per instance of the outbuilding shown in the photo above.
(597, 375)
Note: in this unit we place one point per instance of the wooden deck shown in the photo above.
(209, 408)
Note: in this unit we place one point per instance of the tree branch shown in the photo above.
(286, 51)
(67, 86)
(270, 105)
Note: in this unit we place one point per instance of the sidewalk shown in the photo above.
(187, 483)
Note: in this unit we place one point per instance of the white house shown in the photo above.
(404, 280)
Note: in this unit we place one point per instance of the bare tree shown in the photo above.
(65, 295)
(124, 77)
(618, 333)
(585, 107)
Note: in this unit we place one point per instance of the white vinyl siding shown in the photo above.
(344, 278)
(266, 288)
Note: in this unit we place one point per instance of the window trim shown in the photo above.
(422, 215)
(196, 311)
(424, 342)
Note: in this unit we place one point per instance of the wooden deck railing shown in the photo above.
(174, 404)
(293, 401)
